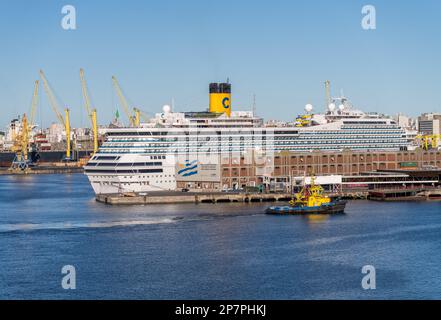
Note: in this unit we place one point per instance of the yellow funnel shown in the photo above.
(220, 98)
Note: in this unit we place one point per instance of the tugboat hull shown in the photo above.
(329, 208)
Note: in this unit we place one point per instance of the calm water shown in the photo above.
(224, 251)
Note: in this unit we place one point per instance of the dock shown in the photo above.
(406, 194)
(43, 170)
(190, 197)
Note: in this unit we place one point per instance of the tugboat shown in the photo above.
(310, 200)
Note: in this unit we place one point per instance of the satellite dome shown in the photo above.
(331, 107)
(309, 107)
(166, 108)
(341, 107)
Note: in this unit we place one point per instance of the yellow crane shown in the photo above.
(429, 140)
(90, 112)
(65, 121)
(424, 141)
(22, 139)
(135, 117)
(21, 146)
(435, 138)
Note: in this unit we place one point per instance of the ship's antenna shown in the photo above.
(328, 93)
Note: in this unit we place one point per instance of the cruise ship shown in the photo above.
(188, 145)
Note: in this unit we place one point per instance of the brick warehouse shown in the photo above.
(235, 172)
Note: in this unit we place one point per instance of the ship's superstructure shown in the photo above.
(175, 145)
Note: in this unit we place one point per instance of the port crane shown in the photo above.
(429, 140)
(22, 139)
(65, 121)
(21, 146)
(90, 112)
(135, 117)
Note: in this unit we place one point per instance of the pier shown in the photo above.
(406, 194)
(190, 197)
(52, 169)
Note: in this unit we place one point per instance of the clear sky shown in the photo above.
(282, 51)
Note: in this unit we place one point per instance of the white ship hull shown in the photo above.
(131, 173)
(118, 184)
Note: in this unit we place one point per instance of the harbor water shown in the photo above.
(208, 251)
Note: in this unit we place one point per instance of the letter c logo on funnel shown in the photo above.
(226, 103)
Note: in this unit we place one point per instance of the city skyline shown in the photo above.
(282, 53)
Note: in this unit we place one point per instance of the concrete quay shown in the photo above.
(190, 197)
(43, 170)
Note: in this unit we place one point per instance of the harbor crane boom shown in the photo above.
(85, 93)
(65, 121)
(135, 120)
(91, 113)
(34, 103)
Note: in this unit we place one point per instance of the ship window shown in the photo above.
(105, 158)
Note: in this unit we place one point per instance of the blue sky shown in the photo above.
(282, 51)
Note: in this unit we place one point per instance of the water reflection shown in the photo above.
(316, 218)
(208, 251)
